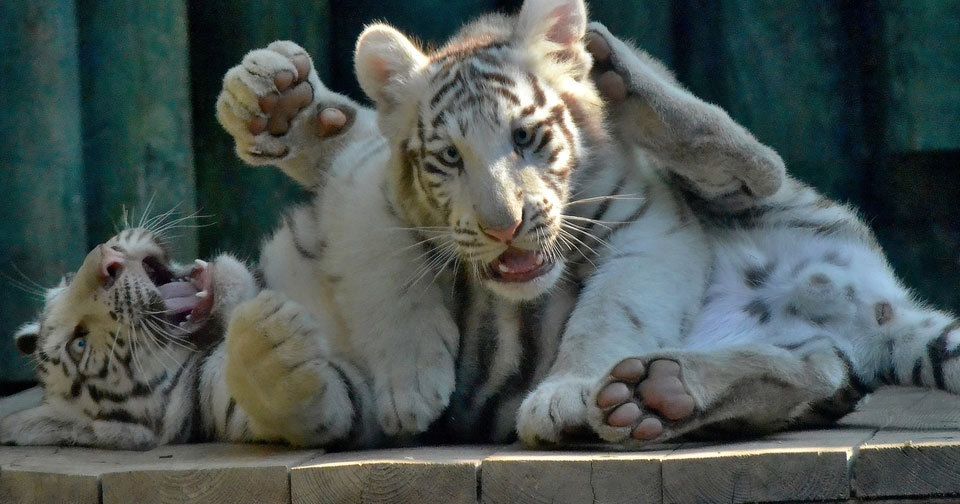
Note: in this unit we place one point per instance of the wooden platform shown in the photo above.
(901, 445)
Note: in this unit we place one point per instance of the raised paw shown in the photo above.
(643, 401)
(694, 139)
(553, 410)
(272, 92)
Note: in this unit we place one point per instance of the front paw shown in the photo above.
(556, 407)
(412, 393)
(268, 94)
(277, 367)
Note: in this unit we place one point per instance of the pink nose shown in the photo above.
(112, 264)
(504, 235)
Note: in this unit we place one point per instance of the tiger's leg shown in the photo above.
(280, 113)
(755, 389)
(646, 285)
(45, 425)
(719, 159)
(280, 372)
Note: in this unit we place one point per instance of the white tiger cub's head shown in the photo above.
(114, 337)
(488, 133)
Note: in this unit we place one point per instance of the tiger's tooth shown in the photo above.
(503, 268)
(189, 317)
(202, 294)
(201, 263)
(183, 325)
(539, 260)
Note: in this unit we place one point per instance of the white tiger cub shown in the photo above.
(768, 307)
(491, 175)
(129, 350)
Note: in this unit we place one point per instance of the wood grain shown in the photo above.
(794, 466)
(204, 473)
(908, 464)
(447, 475)
(523, 477)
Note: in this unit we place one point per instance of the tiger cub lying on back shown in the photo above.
(129, 347)
(130, 351)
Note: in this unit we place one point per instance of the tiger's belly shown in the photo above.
(786, 287)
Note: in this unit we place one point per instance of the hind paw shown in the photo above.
(641, 400)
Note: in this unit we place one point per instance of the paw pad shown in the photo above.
(645, 397)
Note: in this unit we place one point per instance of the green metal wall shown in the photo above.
(109, 103)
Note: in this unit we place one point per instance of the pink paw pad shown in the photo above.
(645, 397)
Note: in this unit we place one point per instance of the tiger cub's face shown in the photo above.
(488, 134)
(127, 317)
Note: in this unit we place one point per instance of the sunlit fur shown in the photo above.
(390, 241)
(473, 95)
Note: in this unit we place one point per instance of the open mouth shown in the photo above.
(518, 266)
(188, 300)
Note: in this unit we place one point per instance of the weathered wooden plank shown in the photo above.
(39, 475)
(28, 487)
(648, 23)
(794, 466)
(922, 48)
(136, 114)
(908, 464)
(204, 473)
(786, 72)
(244, 202)
(42, 232)
(185, 473)
(519, 477)
(447, 475)
(430, 21)
(874, 411)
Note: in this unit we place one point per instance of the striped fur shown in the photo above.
(116, 370)
(390, 262)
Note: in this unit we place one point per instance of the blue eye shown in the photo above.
(78, 344)
(450, 156)
(522, 137)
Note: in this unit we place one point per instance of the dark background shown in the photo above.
(105, 103)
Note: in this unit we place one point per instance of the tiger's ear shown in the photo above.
(559, 22)
(383, 56)
(26, 337)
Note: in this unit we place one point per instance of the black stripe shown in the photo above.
(301, 249)
(228, 415)
(124, 416)
(918, 373)
(938, 353)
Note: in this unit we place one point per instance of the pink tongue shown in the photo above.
(519, 261)
(179, 297)
(182, 304)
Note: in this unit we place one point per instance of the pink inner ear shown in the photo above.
(381, 69)
(567, 24)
